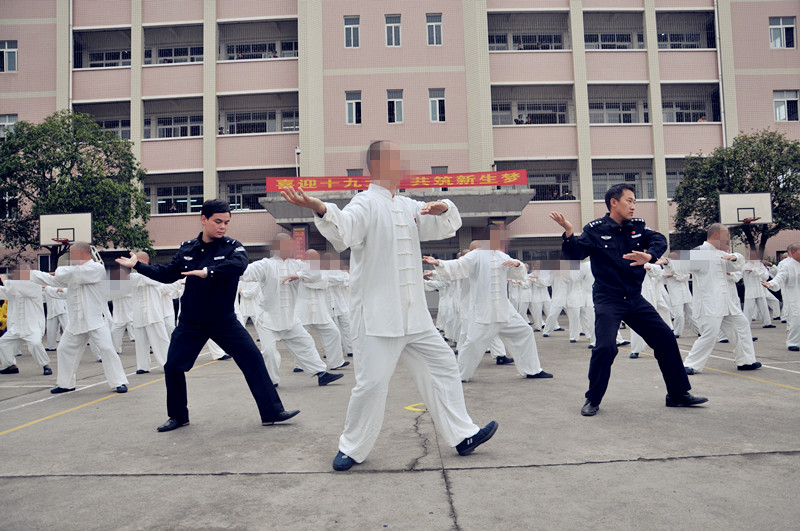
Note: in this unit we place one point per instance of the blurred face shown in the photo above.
(284, 248)
(216, 226)
(721, 240)
(625, 207)
(389, 167)
(795, 254)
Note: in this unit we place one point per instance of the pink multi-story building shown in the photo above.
(217, 95)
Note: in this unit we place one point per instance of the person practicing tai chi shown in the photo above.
(212, 265)
(389, 312)
(619, 245)
(787, 280)
(26, 322)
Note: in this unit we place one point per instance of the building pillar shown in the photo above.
(63, 53)
(478, 86)
(727, 74)
(581, 111)
(311, 82)
(137, 60)
(210, 105)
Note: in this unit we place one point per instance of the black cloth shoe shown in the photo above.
(689, 371)
(297, 369)
(685, 400)
(173, 424)
(589, 409)
(343, 462)
(51, 349)
(345, 364)
(324, 378)
(57, 390)
(468, 445)
(749, 366)
(504, 360)
(349, 354)
(122, 389)
(47, 371)
(10, 370)
(142, 371)
(634, 355)
(573, 340)
(224, 357)
(755, 339)
(723, 340)
(283, 415)
(794, 348)
(624, 342)
(768, 326)
(540, 374)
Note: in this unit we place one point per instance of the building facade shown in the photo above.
(217, 95)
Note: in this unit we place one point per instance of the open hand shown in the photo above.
(637, 257)
(562, 220)
(511, 263)
(127, 261)
(290, 278)
(434, 208)
(301, 199)
(430, 260)
(196, 273)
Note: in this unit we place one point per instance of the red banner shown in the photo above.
(441, 180)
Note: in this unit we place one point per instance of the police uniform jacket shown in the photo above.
(210, 299)
(606, 241)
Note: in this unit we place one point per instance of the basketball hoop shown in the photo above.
(61, 241)
(747, 221)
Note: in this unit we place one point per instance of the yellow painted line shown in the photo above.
(76, 408)
(412, 407)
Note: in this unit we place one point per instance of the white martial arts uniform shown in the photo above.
(787, 280)
(249, 300)
(57, 317)
(652, 292)
(540, 297)
(715, 309)
(122, 316)
(676, 274)
(86, 303)
(313, 311)
(148, 321)
(493, 315)
(463, 304)
(278, 319)
(564, 298)
(587, 310)
(25, 322)
(390, 314)
(340, 309)
(754, 293)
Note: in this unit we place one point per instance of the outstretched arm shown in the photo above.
(299, 198)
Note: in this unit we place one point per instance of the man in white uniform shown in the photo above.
(122, 316)
(713, 307)
(56, 299)
(676, 274)
(25, 322)
(788, 281)
(540, 298)
(390, 315)
(149, 329)
(652, 289)
(755, 296)
(561, 281)
(337, 300)
(86, 302)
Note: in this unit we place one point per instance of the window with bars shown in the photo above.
(353, 107)
(352, 29)
(179, 199)
(121, 127)
(7, 122)
(434, 27)
(498, 41)
(395, 106)
(641, 181)
(8, 56)
(682, 40)
(9, 206)
(501, 113)
(781, 32)
(109, 59)
(551, 186)
(242, 123)
(543, 113)
(177, 126)
(290, 120)
(393, 30)
(436, 98)
(253, 50)
(355, 172)
(785, 102)
(244, 196)
(611, 41)
(289, 49)
(613, 112)
(685, 111)
(538, 41)
(180, 54)
(674, 178)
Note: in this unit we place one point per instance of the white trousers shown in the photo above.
(299, 343)
(774, 304)
(52, 328)
(152, 335)
(536, 309)
(496, 347)
(681, 312)
(573, 315)
(517, 336)
(587, 322)
(793, 330)
(11, 343)
(117, 331)
(430, 363)
(70, 350)
(343, 323)
(760, 303)
(735, 327)
(331, 342)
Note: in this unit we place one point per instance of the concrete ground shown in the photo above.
(92, 459)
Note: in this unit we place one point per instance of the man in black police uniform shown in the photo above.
(619, 245)
(212, 265)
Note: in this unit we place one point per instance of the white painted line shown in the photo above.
(762, 366)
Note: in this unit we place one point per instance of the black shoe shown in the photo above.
(755, 339)
(589, 409)
(559, 329)
(10, 370)
(573, 340)
(47, 371)
(173, 424)
(283, 415)
(624, 342)
(784, 322)
(749, 366)
(794, 348)
(468, 445)
(345, 364)
(685, 400)
(342, 462)
(634, 355)
(676, 336)
(590, 346)
(769, 326)
(723, 340)
(142, 371)
(57, 390)
(689, 371)
(50, 349)
(545, 335)
(349, 354)
(121, 389)
(100, 361)
(324, 378)
(224, 357)
(504, 360)
(540, 374)
(582, 334)
(297, 369)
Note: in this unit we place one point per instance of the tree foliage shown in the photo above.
(765, 161)
(68, 164)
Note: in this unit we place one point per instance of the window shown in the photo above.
(436, 97)
(785, 102)
(677, 41)
(392, 30)
(289, 49)
(498, 41)
(242, 123)
(543, 41)
(501, 113)
(550, 186)
(257, 50)
(609, 41)
(353, 107)
(674, 178)
(120, 127)
(641, 181)
(781, 32)
(434, 23)
(290, 120)
(180, 54)
(684, 111)
(355, 172)
(179, 126)
(613, 112)
(179, 199)
(351, 32)
(9, 206)
(438, 170)
(8, 56)
(7, 122)
(109, 59)
(543, 113)
(395, 106)
(245, 196)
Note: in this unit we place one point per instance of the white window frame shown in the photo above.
(110, 58)
(120, 126)
(10, 206)
(779, 30)
(501, 113)
(261, 121)
(236, 192)
(781, 101)
(355, 172)
(193, 198)
(608, 110)
(9, 53)
(251, 50)
(559, 109)
(596, 40)
(679, 40)
(290, 120)
(353, 109)
(538, 41)
(7, 122)
(187, 53)
(185, 125)
(498, 41)
(352, 31)
(289, 49)
(433, 29)
(684, 110)
(393, 31)
(394, 106)
(437, 105)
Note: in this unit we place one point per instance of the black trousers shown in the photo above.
(188, 339)
(645, 321)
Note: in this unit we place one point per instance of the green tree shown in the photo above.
(68, 164)
(765, 161)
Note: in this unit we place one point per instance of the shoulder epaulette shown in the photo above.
(230, 241)
(638, 220)
(188, 241)
(596, 222)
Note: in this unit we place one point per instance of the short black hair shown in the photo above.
(616, 191)
(374, 151)
(214, 206)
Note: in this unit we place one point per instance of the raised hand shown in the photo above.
(196, 273)
(127, 261)
(559, 218)
(301, 199)
(511, 263)
(434, 208)
(637, 258)
(430, 260)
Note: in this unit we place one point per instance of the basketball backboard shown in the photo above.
(71, 227)
(738, 209)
